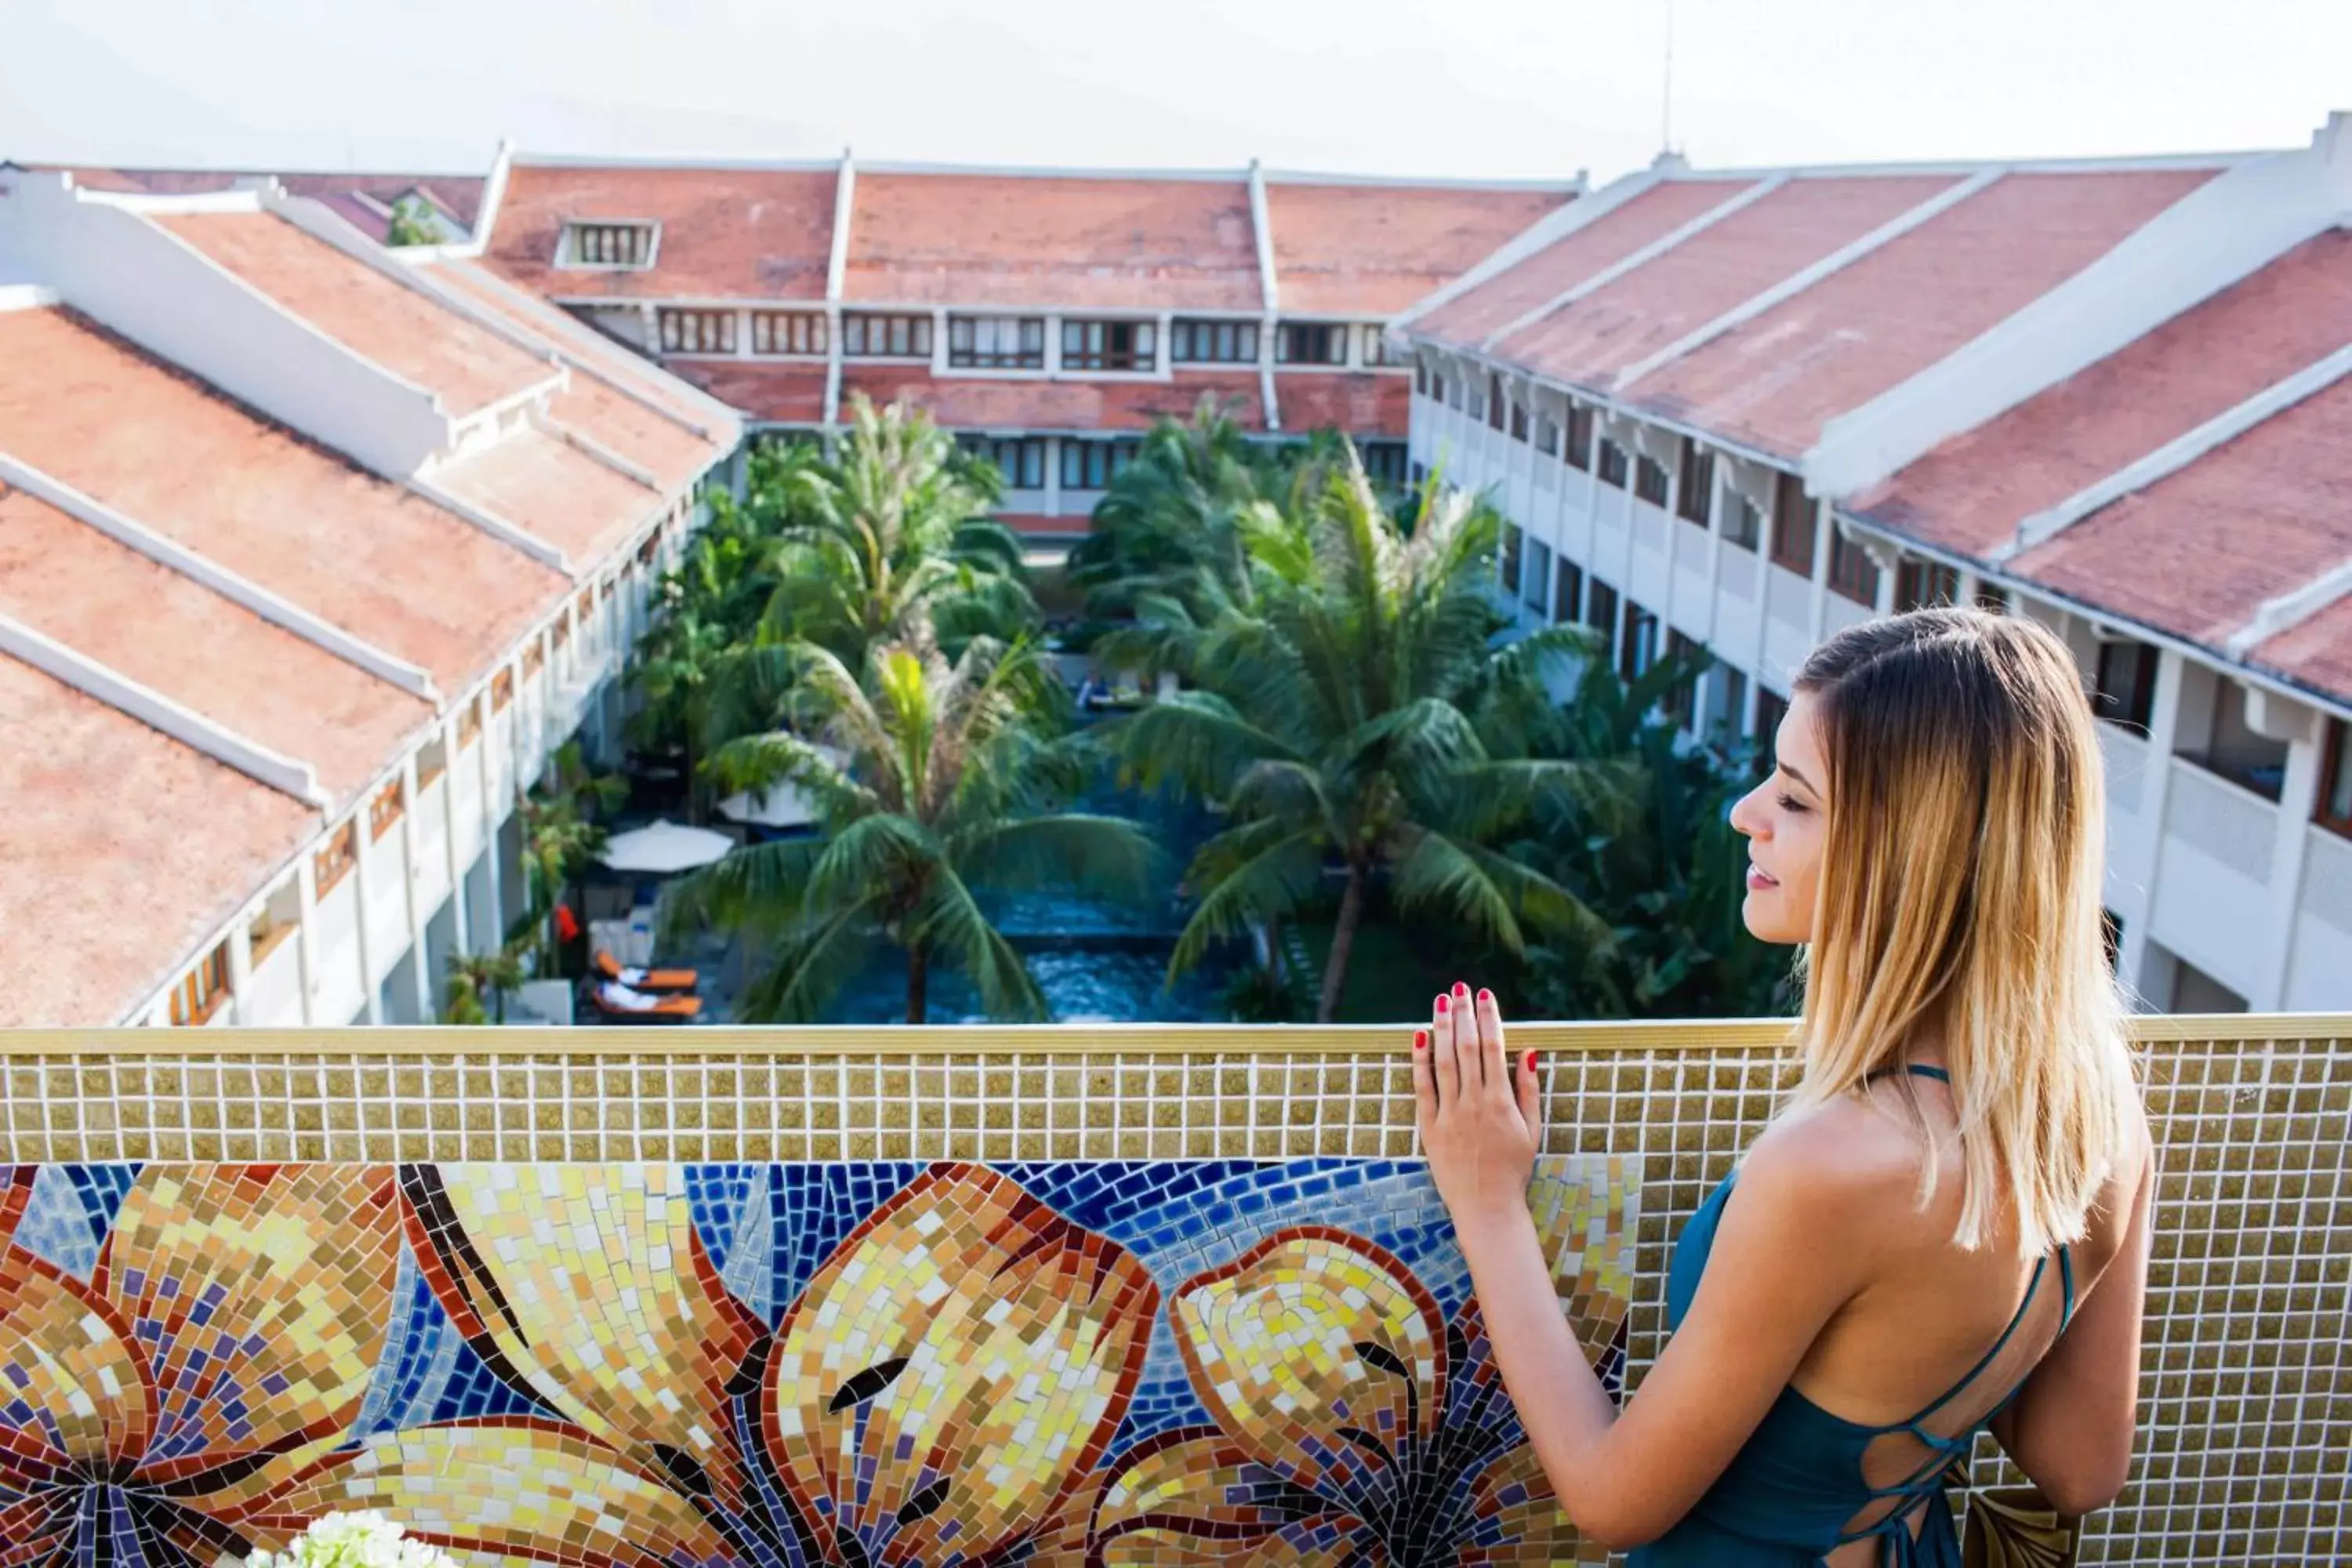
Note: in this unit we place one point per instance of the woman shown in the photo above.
(1946, 1226)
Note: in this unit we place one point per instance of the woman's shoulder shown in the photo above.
(1840, 1160)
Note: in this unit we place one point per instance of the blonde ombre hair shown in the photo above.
(1960, 889)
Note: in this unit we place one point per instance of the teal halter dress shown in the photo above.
(1801, 1486)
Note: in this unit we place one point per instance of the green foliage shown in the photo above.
(1345, 692)
(477, 978)
(413, 222)
(950, 784)
(562, 836)
(1661, 865)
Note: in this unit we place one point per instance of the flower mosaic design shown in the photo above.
(941, 1393)
(222, 1345)
(1353, 1424)
(196, 1379)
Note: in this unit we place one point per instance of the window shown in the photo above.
(1093, 465)
(1612, 463)
(1727, 701)
(332, 864)
(269, 927)
(383, 811)
(1567, 591)
(561, 635)
(1452, 390)
(1650, 480)
(2334, 808)
(1518, 420)
(1384, 461)
(1580, 436)
(1546, 434)
(1021, 460)
(1508, 570)
(1679, 651)
(1379, 354)
(1535, 578)
(1477, 400)
(1600, 615)
(2237, 751)
(997, 342)
(625, 246)
(1852, 571)
(697, 332)
(2111, 936)
(1771, 709)
(1493, 401)
(432, 762)
(1212, 342)
(1793, 525)
(1991, 598)
(199, 996)
(501, 690)
(1420, 380)
(469, 724)
(1640, 649)
(787, 332)
(885, 337)
(1694, 501)
(1742, 524)
(1919, 584)
(1420, 475)
(534, 659)
(1310, 342)
(1109, 346)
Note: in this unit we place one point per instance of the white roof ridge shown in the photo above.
(198, 568)
(103, 683)
(505, 530)
(2174, 455)
(2284, 611)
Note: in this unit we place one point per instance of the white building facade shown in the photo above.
(1688, 455)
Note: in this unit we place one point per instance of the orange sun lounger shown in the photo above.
(608, 967)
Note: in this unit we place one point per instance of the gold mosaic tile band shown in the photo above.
(2247, 1400)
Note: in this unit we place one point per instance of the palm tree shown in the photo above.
(1171, 522)
(1665, 869)
(1353, 712)
(475, 975)
(695, 631)
(560, 833)
(951, 785)
(894, 526)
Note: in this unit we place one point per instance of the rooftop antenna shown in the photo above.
(1666, 104)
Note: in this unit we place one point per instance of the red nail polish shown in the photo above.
(1420, 1039)
(1460, 989)
(1531, 1061)
(1440, 1003)
(1485, 995)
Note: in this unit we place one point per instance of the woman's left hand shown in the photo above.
(1480, 1114)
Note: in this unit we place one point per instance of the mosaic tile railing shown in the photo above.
(1125, 1191)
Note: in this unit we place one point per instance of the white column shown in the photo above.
(2163, 729)
(240, 970)
(364, 893)
(421, 963)
(306, 939)
(1054, 475)
(2298, 796)
(495, 936)
(461, 935)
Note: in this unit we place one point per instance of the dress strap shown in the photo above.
(2033, 1287)
(1921, 1070)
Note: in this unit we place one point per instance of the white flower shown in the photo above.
(353, 1541)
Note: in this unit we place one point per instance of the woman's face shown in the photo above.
(1786, 819)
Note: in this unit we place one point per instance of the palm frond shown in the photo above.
(1252, 872)
(949, 922)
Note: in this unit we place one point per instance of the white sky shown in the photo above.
(1501, 88)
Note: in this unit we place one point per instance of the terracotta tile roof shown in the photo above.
(1596, 245)
(675, 455)
(1616, 326)
(961, 404)
(772, 393)
(725, 233)
(1969, 494)
(2317, 653)
(1035, 240)
(376, 317)
(1374, 249)
(2197, 553)
(554, 492)
(364, 556)
(1772, 383)
(148, 623)
(137, 870)
(565, 333)
(1378, 405)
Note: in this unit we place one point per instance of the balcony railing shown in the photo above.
(2247, 1397)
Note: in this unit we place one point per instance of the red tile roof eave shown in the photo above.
(2283, 681)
